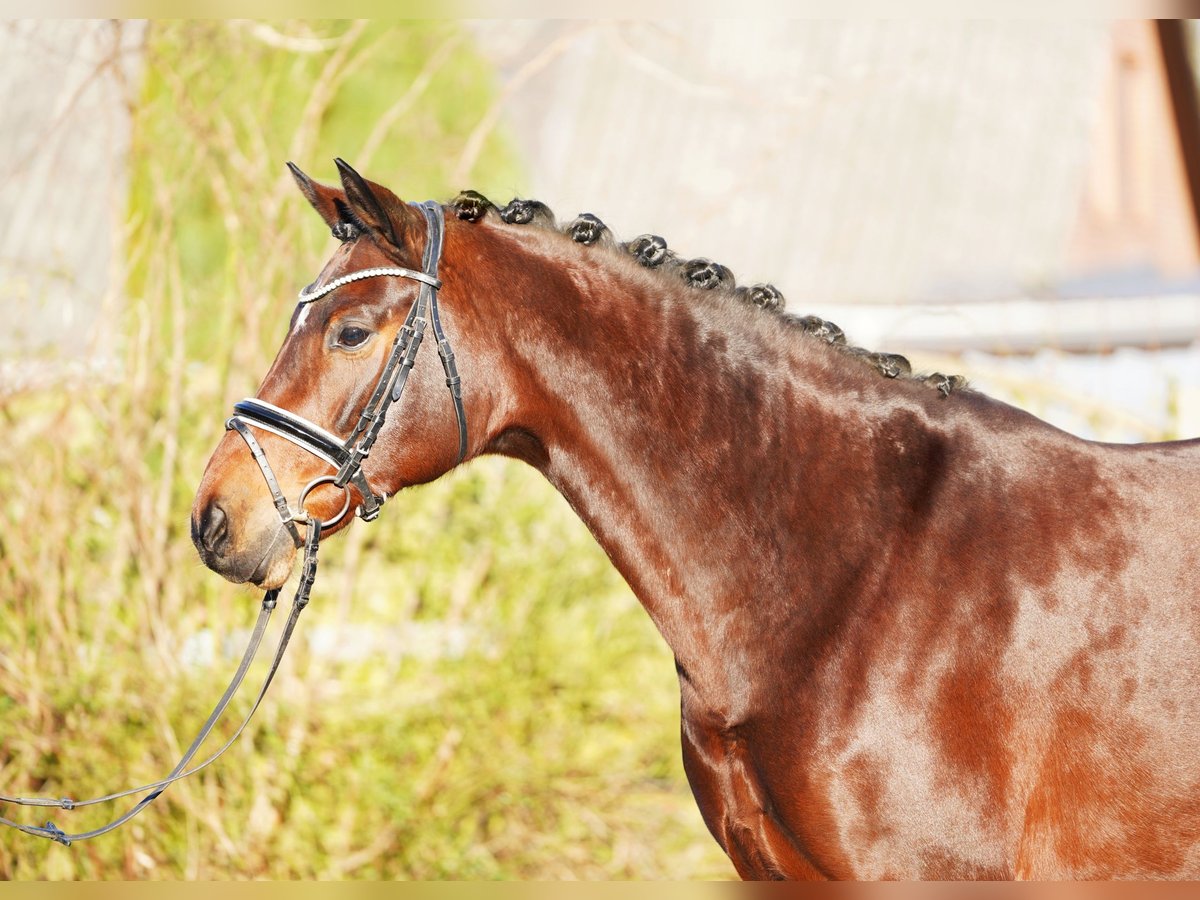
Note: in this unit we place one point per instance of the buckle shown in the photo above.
(56, 834)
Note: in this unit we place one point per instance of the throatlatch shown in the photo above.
(347, 457)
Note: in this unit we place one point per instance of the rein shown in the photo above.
(347, 457)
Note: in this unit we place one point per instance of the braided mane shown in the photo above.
(652, 252)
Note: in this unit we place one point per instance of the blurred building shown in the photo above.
(68, 87)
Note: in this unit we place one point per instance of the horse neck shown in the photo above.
(707, 449)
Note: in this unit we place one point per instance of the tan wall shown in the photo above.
(844, 161)
(65, 125)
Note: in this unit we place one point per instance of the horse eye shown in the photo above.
(352, 336)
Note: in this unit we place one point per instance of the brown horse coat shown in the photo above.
(916, 635)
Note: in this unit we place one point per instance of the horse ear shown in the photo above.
(376, 207)
(324, 199)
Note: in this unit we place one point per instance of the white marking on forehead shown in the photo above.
(302, 318)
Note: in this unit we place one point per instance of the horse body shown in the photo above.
(915, 635)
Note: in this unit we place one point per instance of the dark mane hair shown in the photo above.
(652, 252)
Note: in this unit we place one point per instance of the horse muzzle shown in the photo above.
(241, 546)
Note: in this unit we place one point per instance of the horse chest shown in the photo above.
(783, 802)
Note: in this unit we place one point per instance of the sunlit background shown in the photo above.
(474, 692)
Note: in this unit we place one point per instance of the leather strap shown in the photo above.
(281, 504)
(52, 832)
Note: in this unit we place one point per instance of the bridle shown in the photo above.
(347, 457)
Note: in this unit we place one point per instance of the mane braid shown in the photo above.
(700, 274)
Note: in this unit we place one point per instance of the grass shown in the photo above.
(474, 693)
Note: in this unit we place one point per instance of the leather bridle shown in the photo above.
(347, 457)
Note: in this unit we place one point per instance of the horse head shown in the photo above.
(316, 440)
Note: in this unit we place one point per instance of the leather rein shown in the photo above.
(347, 457)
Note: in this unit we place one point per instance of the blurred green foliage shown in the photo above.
(473, 693)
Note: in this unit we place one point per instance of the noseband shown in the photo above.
(347, 457)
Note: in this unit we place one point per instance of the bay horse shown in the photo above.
(918, 633)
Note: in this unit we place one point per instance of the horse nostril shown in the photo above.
(214, 530)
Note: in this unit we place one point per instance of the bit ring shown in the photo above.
(324, 479)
